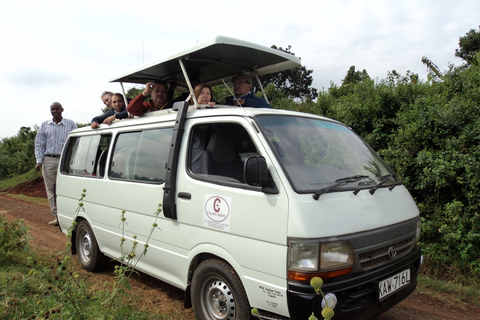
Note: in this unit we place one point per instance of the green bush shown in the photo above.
(436, 150)
(13, 239)
(429, 133)
(17, 154)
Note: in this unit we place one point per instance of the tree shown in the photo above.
(17, 154)
(295, 83)
(355, 76)
(469, 47)
(133, 92)
(433, 71)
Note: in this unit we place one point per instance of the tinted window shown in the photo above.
(86, 156)
(141, 156)
(218, 151)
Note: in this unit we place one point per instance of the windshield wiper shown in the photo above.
(338, 184)
(382, 181)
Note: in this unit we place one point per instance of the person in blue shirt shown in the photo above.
(49, 141)
(118, 112)
(242, 84)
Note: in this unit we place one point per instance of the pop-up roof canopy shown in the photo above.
(212, 62)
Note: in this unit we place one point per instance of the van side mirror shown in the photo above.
(256, 174)
(255, 171)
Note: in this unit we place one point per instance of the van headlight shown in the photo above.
(336, 255)
(308, 259)
(303, 256)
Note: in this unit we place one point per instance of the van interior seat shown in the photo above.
(220, 157)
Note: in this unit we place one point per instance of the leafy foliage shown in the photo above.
(134, 92)
(429, 132)
(469, 47)
(17, 154)
(294, 83)
(13, 239)
(355, 76)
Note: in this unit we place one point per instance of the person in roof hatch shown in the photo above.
(242, 84)
(118, 112)
(160, 101)
(203, 94)
(106, 97)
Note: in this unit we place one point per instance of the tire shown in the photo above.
(88, 253)
(217, 292)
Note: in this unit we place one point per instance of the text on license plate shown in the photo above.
(392, 284)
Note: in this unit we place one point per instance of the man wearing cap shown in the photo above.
(243, 96)
(48, 145)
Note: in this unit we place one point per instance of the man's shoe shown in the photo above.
(54, 222)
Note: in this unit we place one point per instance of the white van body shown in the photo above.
(289, 211)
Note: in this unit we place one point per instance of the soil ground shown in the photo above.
(158, 296)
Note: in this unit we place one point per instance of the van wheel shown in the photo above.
(89, 255)
(217, 292)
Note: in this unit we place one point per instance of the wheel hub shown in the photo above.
(220, 301)
(86, 246)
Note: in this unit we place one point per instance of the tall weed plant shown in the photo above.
(34, 288)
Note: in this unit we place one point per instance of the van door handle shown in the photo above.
(185, 195)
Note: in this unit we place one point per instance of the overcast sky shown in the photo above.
(67, 51)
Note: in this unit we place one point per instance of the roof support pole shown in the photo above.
(124, 95)
(261, 87)
(187, 79)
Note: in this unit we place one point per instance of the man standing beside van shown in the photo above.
(242, 84)
(48, 146)
(159, 92)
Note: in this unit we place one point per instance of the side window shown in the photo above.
(86, 156)
(218, 151)
(141, 156)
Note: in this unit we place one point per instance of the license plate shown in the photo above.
(393, 284)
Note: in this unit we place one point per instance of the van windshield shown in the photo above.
(317, 154)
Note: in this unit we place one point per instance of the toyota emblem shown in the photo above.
(392, 252)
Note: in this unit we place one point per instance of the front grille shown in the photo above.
(379, 256)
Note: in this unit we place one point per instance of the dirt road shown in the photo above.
(160, 296)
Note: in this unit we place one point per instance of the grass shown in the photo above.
(11, 183)
(458, 292)
(40, 201)
(36, 285)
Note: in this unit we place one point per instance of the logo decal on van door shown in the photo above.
(217, 212)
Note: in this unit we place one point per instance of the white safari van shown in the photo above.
(255, 201)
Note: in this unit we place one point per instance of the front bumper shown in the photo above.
(357, 294)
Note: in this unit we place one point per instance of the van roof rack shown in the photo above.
(214, 62)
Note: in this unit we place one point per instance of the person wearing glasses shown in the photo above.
(242, 84)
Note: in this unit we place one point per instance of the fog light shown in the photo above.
(331, 301)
